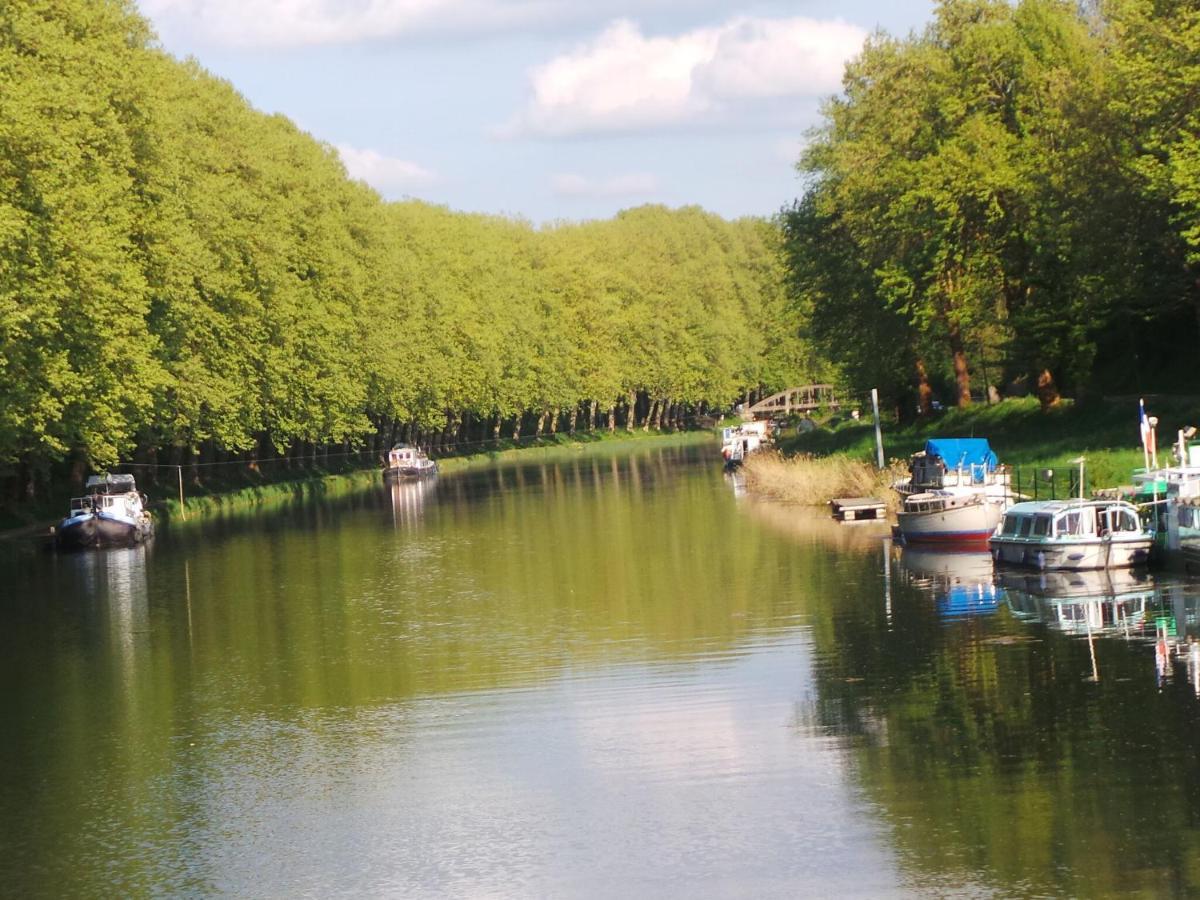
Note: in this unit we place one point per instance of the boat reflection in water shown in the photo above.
(409, 497)
(961, 582)
(736, 479)
(1085, 602)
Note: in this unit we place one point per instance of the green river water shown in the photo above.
(610, 676)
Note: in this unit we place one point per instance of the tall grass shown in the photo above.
(815, 480)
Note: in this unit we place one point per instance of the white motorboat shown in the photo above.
(945, 517)
(739, 441)
(404, 461)
(1072, 534)
(111, 513)
(956, 493)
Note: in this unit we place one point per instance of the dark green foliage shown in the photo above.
(1016, 186)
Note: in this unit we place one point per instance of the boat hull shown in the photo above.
(80, 532)
(957, 526)
(1099, 553)
(398, 473)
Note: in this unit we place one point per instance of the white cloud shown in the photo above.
(626, 81)
(290, 23)
(633, 185)
(388, 175)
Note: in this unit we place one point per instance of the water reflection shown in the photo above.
(1121, 601)
(408, 500)
(599, 676)
(960, 581)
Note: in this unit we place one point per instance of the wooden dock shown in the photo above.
(858, 509)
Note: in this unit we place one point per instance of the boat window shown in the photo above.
(1124, 520)
(1011, 524)
(1026, 526)
(1041, 525)
(1069, 523)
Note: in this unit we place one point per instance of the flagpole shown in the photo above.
(1143, 425)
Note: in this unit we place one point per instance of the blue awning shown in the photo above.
(962, 452)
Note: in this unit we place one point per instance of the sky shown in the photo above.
(545, 109)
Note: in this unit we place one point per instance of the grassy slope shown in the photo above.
(1105, 433)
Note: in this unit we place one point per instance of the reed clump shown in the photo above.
(815, 480)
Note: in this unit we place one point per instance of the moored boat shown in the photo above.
(739, 441)
(945, 517)
(404, 461)
(956, 493)
(1072, 534)
(1173, 494)
(111, 513)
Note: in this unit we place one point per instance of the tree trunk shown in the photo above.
(592, 405)
(612, 419)
(962, 373)
(554, 420)
(573, 420)
(924, 391)
(1047, 390)
(496, 428)
(650, 415)
(631, 417)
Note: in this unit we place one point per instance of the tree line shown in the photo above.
(184, 277)
(1009, 197)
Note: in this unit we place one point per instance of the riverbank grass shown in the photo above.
(1024, 436)
(815, 480)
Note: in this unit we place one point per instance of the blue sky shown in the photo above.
(544, 109)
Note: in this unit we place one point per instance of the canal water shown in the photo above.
(611, 676)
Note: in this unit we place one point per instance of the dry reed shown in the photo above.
(815, 480)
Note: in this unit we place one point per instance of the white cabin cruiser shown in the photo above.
(739, 441)
(1173, 493)
(404, 461)
(1072, 534)
(111, 513)
(956, 493)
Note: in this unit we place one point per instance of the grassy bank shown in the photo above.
(327, 485)
(815, 480)
(224, 492)
(1023, 435)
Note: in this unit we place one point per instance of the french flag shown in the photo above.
(1147, 431)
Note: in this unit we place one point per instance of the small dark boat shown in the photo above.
(408, 462)
(111, 514)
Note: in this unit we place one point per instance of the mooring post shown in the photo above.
(182, 508)
(878, 432)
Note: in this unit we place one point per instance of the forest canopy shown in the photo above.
(1011, 196)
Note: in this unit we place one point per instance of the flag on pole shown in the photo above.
(1147, 431)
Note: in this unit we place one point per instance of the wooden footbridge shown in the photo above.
(796, 400)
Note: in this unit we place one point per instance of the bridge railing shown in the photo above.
(797, 399)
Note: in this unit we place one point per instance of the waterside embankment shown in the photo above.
(837, 459)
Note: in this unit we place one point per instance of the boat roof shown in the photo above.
(956, 452)
(111, 483)
(1053, 506)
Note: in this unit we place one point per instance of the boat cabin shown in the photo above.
(403, 456)
(1041, 521)
(953, 463)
